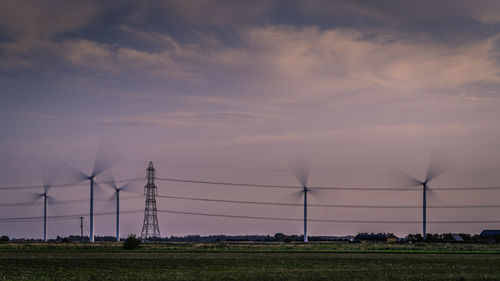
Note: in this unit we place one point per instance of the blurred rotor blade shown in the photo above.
(438, 164)
(294, 197)
(322, 194)
(404, 179)
(112, 199)
(51, 199)
(49, 177)
(104, 159)
(34, 197)
(108, 179)
(74, 173)
(434, 197)
(100, 191)
(130, 186)
(301, 171)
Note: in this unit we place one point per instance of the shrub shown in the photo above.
(131, 242)
(279, 236)
(4, 238)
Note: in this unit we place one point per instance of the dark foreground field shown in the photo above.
(249, 262)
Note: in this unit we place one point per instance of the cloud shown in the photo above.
(277, 63)
(20, 19)
(216, 12)
(356, 133)
(198, 118)
(397, 11)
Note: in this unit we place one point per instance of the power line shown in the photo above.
(64, 217)
(314, 220)
(344, 171)
(76, 201)
(333, 171)
(321, 187)
(80, 183)
(236, 184)
(76, 216)
(227, 183)
(39, 186)
(66, 202)
(328, 205)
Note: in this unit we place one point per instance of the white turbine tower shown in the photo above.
(125, 187)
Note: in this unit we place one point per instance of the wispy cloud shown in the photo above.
(198, 118)
(355, 133)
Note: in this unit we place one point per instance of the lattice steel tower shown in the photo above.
(150, 226)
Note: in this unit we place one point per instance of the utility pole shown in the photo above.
(150, 226)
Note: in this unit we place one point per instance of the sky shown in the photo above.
(243, 91)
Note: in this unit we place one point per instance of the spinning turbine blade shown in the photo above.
(434, 196)
(301, 171)
(406, 180)
(109, 179)
(75, 174)
(49, 177)
(103, 160)
(128, 186)
(438, 165)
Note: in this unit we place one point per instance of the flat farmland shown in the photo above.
(249, 261)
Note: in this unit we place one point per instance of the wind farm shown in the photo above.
(249, 140)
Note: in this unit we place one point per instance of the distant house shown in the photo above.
(490, 235)
(376, 237)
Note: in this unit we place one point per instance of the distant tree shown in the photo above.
(466, 237)
(415, 237)
(279, 236)
(4, 238)
(448, 237)
(287, 239)
(433, 238)
(65, 240)
(131, 242)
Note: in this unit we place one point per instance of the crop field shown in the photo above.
(249, 261)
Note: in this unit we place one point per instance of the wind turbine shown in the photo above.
(101, 164)
(112, 183)
(434, 170)
(48, 181)
(301, 172)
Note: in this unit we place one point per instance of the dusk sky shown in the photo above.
(241, 91)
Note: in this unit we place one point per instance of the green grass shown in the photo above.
(250, 261)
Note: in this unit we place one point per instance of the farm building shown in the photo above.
(490, 235)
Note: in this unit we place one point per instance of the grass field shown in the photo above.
(250, 261)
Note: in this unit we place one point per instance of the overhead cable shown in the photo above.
(326, 205)
(313, 220)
